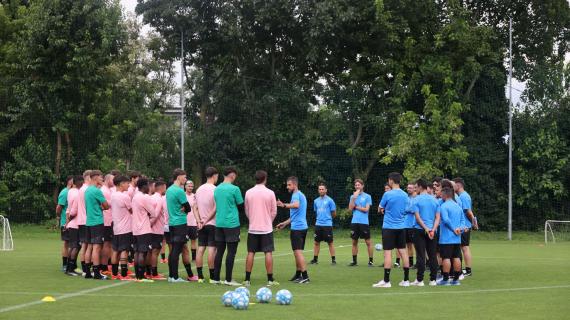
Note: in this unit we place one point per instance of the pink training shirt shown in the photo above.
(190, 218)
(260, 209)
(121, 213)
(165, 213)
(158, 225)
(71, 211)
(144, 214)
(132, 191)
(81, 211)
(107, 216)
(205, 202)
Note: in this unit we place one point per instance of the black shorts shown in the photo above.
(410, 234)
(64, 234)
(323, 233)
(359, 231)
(192, 232)
(73, 241)
(122, 242)
(143, 242)
(466, 238)
(179, 233)
(227, 234)
(449, 251)
(207, 236)
(96, 234)
(82, 234)
(108, 233)
(156, 241)
(393, 239)
(167, 237)
(260, 242)
(298, 239)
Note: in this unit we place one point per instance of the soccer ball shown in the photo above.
(284, 297)
(378, 247)
(227, 298)
(264, 295)
(240, 301)
(243, 290)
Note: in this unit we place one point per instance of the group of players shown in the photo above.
(110, 221)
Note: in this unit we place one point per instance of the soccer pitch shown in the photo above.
(522, 279)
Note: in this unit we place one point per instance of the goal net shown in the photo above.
(556, 231)
(6, 242)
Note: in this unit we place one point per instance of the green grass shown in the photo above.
(522, 279)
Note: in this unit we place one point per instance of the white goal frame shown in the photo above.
(548, 227)
(7, 242)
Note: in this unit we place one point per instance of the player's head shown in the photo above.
(143, 185)
(421, 185)
(96, 177)
(322, 189)
(87, 176)
(179, 177)
(411, 188)
(292, 184)
(230, 174)
(358, 184)
(160, 187)
(394, 179)
(122, 183)
(78, 181)
(260, 177)
(447, 193)
(69, 182)
(387, 187)
(429, 189)
(459, 184)
(189, 186)
(211, 173)
(436, 184)
(151, 184)
(446, 183)
(109, 180)
(115, 172)
(134, 176)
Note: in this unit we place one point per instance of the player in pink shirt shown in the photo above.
(71, 225)
(121, 212)
(144, 215)
(106, 189)
(166, 238)
(260, 209)
(85, 254)
(134, 176)
(157, 229)
(206, 207)
(193, 223)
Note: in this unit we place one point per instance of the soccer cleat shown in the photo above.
(443, 282)
(88, 276)
(64, 269)
(352, 264)
(468, 274)
(215, 281)
(439, 277)
(396, 265)
(115, 277)
(145, 280)
(433, 283)
(158, 277)
(272, 283)
(232, 283)
(130, 273)
(192, 278)
(303, 281)
(455, 283)
(461, 277)
(295, 277)
(404, 283)
(201, 280)
(314, 262)
(246, 283)
(333, 263)
(417, 283)
(370, 264)
(177, 280)
(382, 284)
(72, 273)
(101, 277)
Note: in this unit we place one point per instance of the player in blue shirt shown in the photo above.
(393, 206)
(410, 223)
(426, 212)
(450, 237)
(359, 204)
(325, 209)
(298, 221)
(470, 223)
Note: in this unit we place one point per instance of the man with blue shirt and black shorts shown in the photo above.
(359, 204)
(298, 221)
(410, 222)
(450, 238)
(325, 209)
(426, 213)
(470, 223)
(393, 206)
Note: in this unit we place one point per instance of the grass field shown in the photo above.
(522, 279)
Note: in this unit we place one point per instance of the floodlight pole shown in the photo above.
(510, 228)
(182, 102)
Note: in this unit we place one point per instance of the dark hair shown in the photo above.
(322, 184)
(142, 184)
(78, 180)
(120, 179)
(115, 172)
(210, 172)
(446, 183)
(159, 183)
(293, 179)
(422, 183)
(448, 192)
(134, 174)
(260, 176)
(177, 172)
(69, 178)
(86, 173)
(460, 181)
(359, 181)
(229, 170)
(395, 177)
(95, 173)
(437, 179)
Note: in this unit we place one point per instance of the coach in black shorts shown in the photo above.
(359, 204)
(325, 210)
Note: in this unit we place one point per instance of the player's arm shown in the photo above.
(363, 209)
(273, 208)
(333, 214)
(105, 205)
(421, 222)
(58, 210)
(284, 224)
(382, 205)
(437, 220)
(352, 204)
(471, 217)
(197, 216)
(151, 211)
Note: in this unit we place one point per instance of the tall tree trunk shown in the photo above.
(57, 169)
(68, 146)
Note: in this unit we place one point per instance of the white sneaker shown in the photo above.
(247, 283)
(417, 283)
(232, 283)
(404, 283)
(461, 277)
(382, 284)
(433, 283)
(177, 280)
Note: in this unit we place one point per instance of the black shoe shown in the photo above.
(88, 275)
(396, 265)
(333, 262)
(370, 264)
(294, 278)
(72, 273)
(314, 262)
(303, 281)
(352, 264)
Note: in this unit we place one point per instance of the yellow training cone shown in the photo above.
(48, 299)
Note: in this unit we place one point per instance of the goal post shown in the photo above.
(556, 230)
(6, 241)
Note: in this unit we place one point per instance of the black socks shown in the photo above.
(387, 274)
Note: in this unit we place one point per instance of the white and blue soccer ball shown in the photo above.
(264, 295)
(284, 297)
(227, 298)
(242, 290)
(378, 247)
(240, 301)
